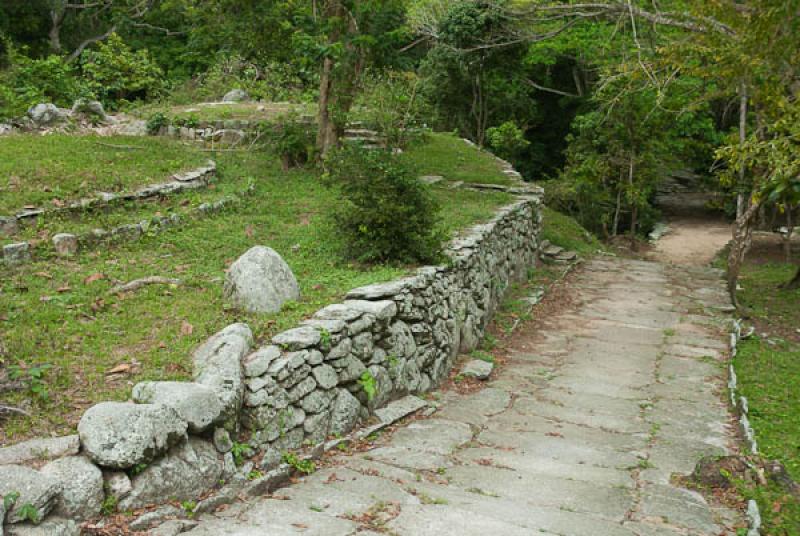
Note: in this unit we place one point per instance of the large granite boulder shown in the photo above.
(120, 435)
(30, 488)
(260, 281)
(91, 109)
(218, 365)
(236, 95)
(197, 404)
(45, 114)
(82, 487)
(184, 473)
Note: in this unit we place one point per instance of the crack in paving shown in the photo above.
(578, 434)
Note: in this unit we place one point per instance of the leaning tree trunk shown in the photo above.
(740, 198)
(794, 283)
(787, 239)
(742, 236)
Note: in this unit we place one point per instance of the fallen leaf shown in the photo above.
(249, 231)
(300, 525)
(162, 345)
(58, 203)
(186, 328)
(45, 298)
(554, 434)
(122, 368)
(63, 289)
(94, 277)
(43, 274)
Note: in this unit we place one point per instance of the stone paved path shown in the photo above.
(578, 434)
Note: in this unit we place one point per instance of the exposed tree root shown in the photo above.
(136, 284)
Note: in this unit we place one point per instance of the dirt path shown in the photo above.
(578, 434)
(695, 236)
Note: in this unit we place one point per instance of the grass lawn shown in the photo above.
(455, 160)
(564, 231)
(768, 367)
(57, 313)
(44, 171)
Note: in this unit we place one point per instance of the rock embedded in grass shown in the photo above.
(121, 435)
(236, 95)
(65, 244)
(197, 404)
(260, 281)
(45, 114)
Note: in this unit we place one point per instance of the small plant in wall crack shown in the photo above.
(368, 383)
(29, 512)
(304, 466)
(240, 451)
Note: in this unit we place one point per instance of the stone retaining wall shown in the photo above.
(173, 442)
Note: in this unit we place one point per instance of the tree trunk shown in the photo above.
(634, 206)
(787, 239)
(326, 133)
(338, 82)
(794, 283)
(740, 198)
(615, 227)
(54, 35)
(742, 235)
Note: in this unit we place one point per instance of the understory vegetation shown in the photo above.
(768, 367)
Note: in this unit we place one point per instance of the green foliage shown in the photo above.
(240, 451)
(9, 499)
(368, 384)
(114, 72)
(28, 512)
(138, 469)
(385, 213)
(293, 140)
(109, 506)
(34, 378)
(28, 81)
(155, 122)
(304, 466)
(507, 141)
(391, 104)
(189, 508)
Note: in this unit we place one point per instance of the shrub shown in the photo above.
(507, 141)
(391, 104)
(29, 81)
(292, 140)
(115, 72)
(385, 213)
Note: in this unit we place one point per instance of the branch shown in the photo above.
(78, 51)
(165, 31)
(597, 9)
(552, 90)
(136, 284)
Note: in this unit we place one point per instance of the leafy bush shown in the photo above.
(507, 141)
(30, 81)
(391, 104)
(293, 140)
(155, 122)
(270, 82)
(114, 72)
(385, 213)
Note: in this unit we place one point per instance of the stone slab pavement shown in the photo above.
(579, 433)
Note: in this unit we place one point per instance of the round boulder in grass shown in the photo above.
(121, 435)
(260, 281)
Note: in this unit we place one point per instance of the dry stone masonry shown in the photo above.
(173, 441)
